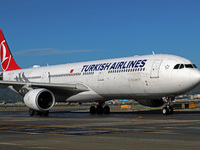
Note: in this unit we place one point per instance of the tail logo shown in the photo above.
(5, 60)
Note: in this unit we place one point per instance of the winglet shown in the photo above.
(7, 61)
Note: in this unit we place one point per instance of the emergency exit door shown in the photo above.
(45, 77)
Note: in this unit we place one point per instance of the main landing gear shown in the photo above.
(99, 109)
(168, 110)
(38, 113)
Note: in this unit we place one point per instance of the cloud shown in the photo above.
(50, 51)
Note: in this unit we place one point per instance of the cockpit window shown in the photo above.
(189, 66)
(176, 66)
(195, 66)
(181, 66)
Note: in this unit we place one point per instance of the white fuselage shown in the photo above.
(138, 77)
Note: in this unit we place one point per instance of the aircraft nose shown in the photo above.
(195, 77)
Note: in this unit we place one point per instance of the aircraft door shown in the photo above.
(155, 69)
(101, 76)
(45, 77)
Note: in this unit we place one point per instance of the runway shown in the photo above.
(74, 128)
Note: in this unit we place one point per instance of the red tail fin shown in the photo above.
(7, 61)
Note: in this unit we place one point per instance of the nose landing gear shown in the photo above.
(168, 109)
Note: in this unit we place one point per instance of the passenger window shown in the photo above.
(176, 66)
(182, 66)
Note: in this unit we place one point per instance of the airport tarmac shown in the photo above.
(74, 128)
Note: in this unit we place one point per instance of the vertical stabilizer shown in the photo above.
(7, 61)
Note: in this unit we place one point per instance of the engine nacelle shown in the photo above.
(152, 102)
(39, 99)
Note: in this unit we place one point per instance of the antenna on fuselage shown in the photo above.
(153, 52)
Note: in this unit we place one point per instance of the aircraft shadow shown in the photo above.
(133, 112)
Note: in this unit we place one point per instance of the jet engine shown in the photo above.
(152, 102)
(39, 99)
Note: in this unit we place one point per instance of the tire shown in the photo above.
(165, 111)
(171, 110)
(38, 113)
(99, 109)
(92, 110)
(45, 114)
(106, 110)
(31, 112)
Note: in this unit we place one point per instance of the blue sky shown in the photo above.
(64, 31)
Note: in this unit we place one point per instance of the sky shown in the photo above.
(41, 32)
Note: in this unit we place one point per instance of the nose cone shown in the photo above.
(195, 77)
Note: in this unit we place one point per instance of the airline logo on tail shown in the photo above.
(7, 61)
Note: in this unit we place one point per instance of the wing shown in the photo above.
(60, 90)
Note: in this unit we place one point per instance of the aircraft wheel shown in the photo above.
(31, 112)
(99, 109)
(171, 110)
(45, 114)
(38, 113)
(165, 111)
(106, 110)
(92, 110)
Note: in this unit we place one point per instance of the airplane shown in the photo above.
(148, 79)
